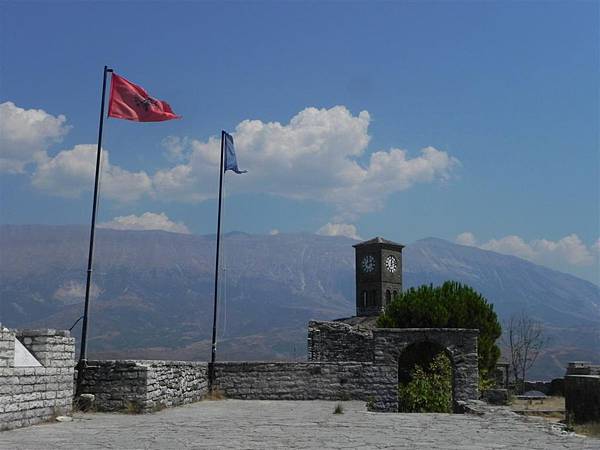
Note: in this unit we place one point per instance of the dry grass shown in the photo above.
(548, 404)
(551, 408)
(214, 394)
(339, 409)
(588, 429)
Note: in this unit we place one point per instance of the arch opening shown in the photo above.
(425, 378)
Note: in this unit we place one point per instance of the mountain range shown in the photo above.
(152, 293)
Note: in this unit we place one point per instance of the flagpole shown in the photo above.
(214, 330)
(84, 329)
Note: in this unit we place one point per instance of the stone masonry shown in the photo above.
(375, 384)
(148, 385)
(346, 364)
(582, 392)
(144, 386)
(31, 395)
(339, 341)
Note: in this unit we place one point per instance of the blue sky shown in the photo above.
(331, 106)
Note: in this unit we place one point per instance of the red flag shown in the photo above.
(131, 102)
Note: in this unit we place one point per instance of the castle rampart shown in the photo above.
(42, 389)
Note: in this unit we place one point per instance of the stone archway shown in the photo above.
(381, 348)
(459, 344)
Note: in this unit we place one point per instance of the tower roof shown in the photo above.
(378, 240)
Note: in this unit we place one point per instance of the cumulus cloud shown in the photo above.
(315, 156)
(466, 238)
(25, 134)
(177, 149)
(339, 229)
(71, 172)
(147, 221)
(321, 154)
(570, 249)
(596, 247)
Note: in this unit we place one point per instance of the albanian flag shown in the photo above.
(131, 102)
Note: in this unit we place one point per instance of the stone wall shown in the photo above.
(338, 341)
(376, 384)
(582, 393)
(347, 362)
(31, 395)
(144, 386)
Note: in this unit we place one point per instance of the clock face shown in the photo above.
(368, 264)
(391, 264)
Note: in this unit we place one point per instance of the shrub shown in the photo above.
(451, 305)
(339, 409)
(133, 407)
(430, 388)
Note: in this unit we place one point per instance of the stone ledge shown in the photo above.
(42, 332)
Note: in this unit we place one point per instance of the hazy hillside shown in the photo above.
(154, 290)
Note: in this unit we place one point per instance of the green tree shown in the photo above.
(451, 305)
(430, 388)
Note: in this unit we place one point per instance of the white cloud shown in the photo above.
(274, 232)
(466, 238)
(511, 245)
(321, 154)
(596, 247)
(25, 134)
(570, 249)
(339, 229)
(314, 156)
(71, 172)
(177, 149)
(147, 221)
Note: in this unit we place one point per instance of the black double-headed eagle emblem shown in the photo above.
(145, 102)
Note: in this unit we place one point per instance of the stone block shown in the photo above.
(582, 398)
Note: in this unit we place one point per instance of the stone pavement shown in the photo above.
(256, 424)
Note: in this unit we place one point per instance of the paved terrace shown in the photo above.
(292, 424)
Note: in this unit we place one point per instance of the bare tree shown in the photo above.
(525, 339)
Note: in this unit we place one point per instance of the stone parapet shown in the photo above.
(583, 368)
(7, 348)
(31, 395)
(375, 384)
(582, 393)
(52, 348)
(144, 385)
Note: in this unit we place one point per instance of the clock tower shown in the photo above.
(378, 275)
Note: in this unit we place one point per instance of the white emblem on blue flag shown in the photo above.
(230, 159)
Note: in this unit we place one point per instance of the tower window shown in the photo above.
(395, 294)
(364, 299)
(388, 297)
(374, 301)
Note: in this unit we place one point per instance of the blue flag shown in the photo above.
(230, 159)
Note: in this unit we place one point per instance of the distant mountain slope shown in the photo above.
(154, 290)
